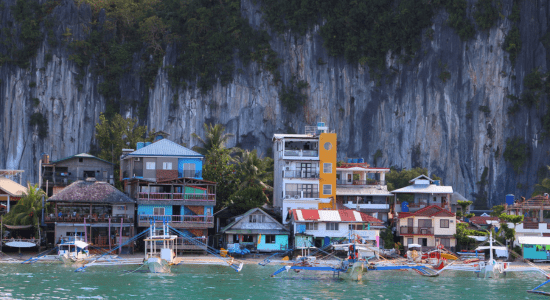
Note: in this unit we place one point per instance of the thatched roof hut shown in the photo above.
(91, 191)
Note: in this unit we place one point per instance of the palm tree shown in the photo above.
(253, 171)
(215, 138)
(543, 187)
(28, 209)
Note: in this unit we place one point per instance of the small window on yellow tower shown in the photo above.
(327, 168)
(328, 146)
(327, 189)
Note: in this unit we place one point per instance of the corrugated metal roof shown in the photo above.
(348, 215)
(342, 215)
(429, 211)
(80, 155)
(310, 214)
(365, 191)
(278, 136)
(165, 147)
(424, 189)
(11, 187)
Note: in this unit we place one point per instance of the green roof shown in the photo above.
(80, 155)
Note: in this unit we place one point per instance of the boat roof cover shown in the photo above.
(414, 246)
(502, 248)
(21, 244)
(79, 244)
(534, 240)
(478, 238)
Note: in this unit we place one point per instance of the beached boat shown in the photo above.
(72, 249)
(160, 250)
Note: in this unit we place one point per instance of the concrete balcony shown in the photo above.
(300, 154)
(301, 195)
(344, 182)
(300, 174)
(406, 230)
(178, 221)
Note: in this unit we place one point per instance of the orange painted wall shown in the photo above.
(327, 156)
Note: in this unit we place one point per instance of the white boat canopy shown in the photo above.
(534, 240)
(478, 238)
(414, 246)
(482, 248)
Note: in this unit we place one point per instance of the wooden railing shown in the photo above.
(70, 218)
(177, 196)
(176, 219)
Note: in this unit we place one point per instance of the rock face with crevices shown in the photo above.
(411, 115)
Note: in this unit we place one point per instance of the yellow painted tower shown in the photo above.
(327, 176)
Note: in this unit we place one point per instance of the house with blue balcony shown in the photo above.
(165, 178)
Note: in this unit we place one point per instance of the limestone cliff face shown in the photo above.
(411, 115)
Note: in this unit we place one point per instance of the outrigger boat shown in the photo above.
(491, 268)
(160, 250)
(72, 249)
(352, 268)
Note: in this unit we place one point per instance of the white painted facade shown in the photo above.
(300, 167)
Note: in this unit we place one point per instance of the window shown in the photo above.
(327, 168)
(425, 223)
(158, 211)
(423, 242)
(270, 239)
(167, 166)
(80, 159)
(410, 222)
(150, 165)
(444, 223)
(312, 226)
(327, 146)
(410, 241)
(327, 189)
(256, 219)
(446, 243)
(332, 226)
(208, 211)
(121, 207)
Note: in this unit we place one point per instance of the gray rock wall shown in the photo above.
(409, 110)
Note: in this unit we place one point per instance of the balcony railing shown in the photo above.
(70, 218)
(176, 219)
(359, 182)
(416, 230)
(191, 174)
(302, 153)
(300, 174)
(301, 194)
(177, 196)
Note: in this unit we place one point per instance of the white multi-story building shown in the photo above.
(356, 188)
(305, 170)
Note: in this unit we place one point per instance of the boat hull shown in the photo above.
(157, 265)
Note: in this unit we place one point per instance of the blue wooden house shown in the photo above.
(166, 180)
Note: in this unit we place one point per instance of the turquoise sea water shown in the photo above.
(41, 281)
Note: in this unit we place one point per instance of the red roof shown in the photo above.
(310, 214)
(341, 215)
(482, 220)
(429, 211)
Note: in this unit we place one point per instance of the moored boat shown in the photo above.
(72, 249)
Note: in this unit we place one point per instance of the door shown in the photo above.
(423, 242)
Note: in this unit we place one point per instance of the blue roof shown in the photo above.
(165, 147)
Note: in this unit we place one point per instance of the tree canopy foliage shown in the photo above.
(543, 187)
(116, 134)
(397, 179)
(28, 210)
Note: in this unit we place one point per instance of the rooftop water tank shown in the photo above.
(140, 145)
(147, 144)
(405, 206)
(510, 199)
(354, 160)
(361, 160)
(437, 182)
(350, 160)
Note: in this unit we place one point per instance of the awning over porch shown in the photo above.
(255, 231)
